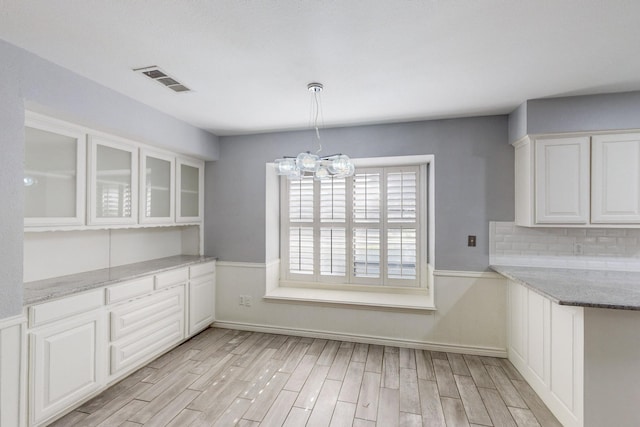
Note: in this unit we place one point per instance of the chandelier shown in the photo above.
(316, 165)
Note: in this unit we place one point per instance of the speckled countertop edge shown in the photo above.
(58, 287)
(581, 288)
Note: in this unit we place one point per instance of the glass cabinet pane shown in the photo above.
(157, 192)
(50, 174)
(113, 182)
(189, 191)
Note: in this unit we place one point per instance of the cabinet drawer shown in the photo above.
(129, 290)
(202, 269)
(138, 315)
(149, 342)
(173, 277)
(67, 306)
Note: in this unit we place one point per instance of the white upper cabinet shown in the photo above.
(54, 173)
(615, 178)
(78, 178)
(189, 195)
(583, 180)
(113, 182)
(562, 180)
(157, 188)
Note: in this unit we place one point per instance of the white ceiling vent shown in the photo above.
(155, 73)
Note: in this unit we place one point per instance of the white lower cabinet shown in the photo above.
(78, 346)
(517, 328)
(146, 327)
(68, 363)
(538, 332)
(201, 297)
(546, 344)
(567, 357)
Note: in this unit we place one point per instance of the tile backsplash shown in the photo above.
(589, 248)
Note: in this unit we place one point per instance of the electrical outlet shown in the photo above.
(577, 249)
(241, 300)
(471, 241)
(247, 300)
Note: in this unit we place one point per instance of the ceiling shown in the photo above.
(248, 61)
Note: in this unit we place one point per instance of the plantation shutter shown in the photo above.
(301, 233)
(333, 217)
(402, 225)
(366, 224)
(359, 230)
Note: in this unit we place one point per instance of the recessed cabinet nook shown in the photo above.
(581, 180)
(113, 320)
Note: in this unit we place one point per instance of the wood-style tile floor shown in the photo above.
(224, 377)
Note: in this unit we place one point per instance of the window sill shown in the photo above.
(380, 300)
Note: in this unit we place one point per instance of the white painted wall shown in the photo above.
(53, 254)
(470, 315)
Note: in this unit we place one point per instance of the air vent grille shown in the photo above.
(155, 73)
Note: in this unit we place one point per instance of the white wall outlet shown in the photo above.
(241, 300)
(247, 300)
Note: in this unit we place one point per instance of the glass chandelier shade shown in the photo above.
(306, 163)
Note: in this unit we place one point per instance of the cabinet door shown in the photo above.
(562, 180)
(615, 179)
(113, 187)
(67, 363)
(157, 188)
(567, 357)
(201, 303)
(54, 173)
(517, 327)
(189, 196)
(538, 335)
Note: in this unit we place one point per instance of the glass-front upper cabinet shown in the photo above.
(189, 184)
(54, 173)
(157, 187)
(113, 182)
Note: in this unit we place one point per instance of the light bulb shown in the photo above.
(286, 166)
(295, 174)
(321, 173)
(349, 170)
(307, 162)
(340, 164)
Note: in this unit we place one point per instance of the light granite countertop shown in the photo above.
(582, 288)
(57, 287)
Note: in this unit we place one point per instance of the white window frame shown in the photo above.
(425, 227)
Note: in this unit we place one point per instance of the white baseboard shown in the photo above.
(366, 339)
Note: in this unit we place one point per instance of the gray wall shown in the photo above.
(518, 123)
(40, 85)
(474, 182)
(609, 111)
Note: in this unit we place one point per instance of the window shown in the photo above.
(369, 229)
